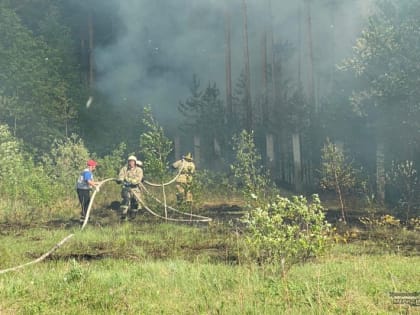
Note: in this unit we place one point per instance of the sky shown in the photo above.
(161, 44)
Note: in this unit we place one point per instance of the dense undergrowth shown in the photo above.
(264, 252)
(149, 267)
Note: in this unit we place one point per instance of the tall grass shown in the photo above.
(176, 269)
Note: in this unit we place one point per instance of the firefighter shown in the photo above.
(130, 176)
(184, 180)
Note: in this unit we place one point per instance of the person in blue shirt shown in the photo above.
(84, 185)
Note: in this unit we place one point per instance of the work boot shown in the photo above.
(133, 214)
(82, 220)
(124, 211)
(179, 198)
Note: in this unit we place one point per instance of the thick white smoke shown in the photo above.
(162, 43)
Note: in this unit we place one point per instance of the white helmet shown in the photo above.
(132, 158)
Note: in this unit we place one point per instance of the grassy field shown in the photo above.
(148, 267)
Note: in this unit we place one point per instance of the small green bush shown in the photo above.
(110, 165)
(403, 180)
(287, 231)
(337, 173)
(390, 233)
(250, 177)
(25, 188)
(65, 161)
(155, 148)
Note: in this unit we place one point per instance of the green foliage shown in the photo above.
(403, 178)
(65, 161)
(390, 233)
(241, 102)
(385, 220)
(205, 117)
(179, 269)
(385, 62)
(414, 224)
(75, 274)
(249, 174)
(63, 58)
(336, 170)
(287, 231)
(40, 192)
(295, 113)
(155, 147)
(210, 186)
(24, 187)
(213, 183)
(11, 158)
(110, 165)
(336, 173)
(31, 76)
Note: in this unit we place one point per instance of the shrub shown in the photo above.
(11, 160)
(155, 148)
(337, 173)
(389, 233)
(250, 177)
(211, 183)
(65, 161)
(110, 165)
(26, 190)
(287, 231)
(403, 179)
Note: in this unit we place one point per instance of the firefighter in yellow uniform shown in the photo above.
(184, 180)
(130, 176)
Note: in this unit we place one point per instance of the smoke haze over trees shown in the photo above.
(295, 72)
(157, 47)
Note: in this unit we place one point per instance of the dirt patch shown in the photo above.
(222, 212)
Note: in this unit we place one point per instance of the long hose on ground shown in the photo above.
(64, 240)
(201, 218)
(56, 246)
(97, 189)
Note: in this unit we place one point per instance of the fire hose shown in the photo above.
(199, 218)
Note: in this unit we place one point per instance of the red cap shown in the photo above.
(91, 163)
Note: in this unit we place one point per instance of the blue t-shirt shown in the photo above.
(82, 181)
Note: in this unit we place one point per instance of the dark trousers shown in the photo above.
(128, 198)
(84, 199)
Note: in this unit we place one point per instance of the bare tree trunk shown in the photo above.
(91, 47)
(282, 154)
(197, 149)
(273, 60)
(15, 115)
(380, 172)
(340, 196)
(177, 146)
(334, 8)
(269, 140)
(248, 104)
(311, 82)
(297, 161)
(83, 73)
(14, 125)
(299, 65)
(264, 105)
(228, 65)
(217, 148)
